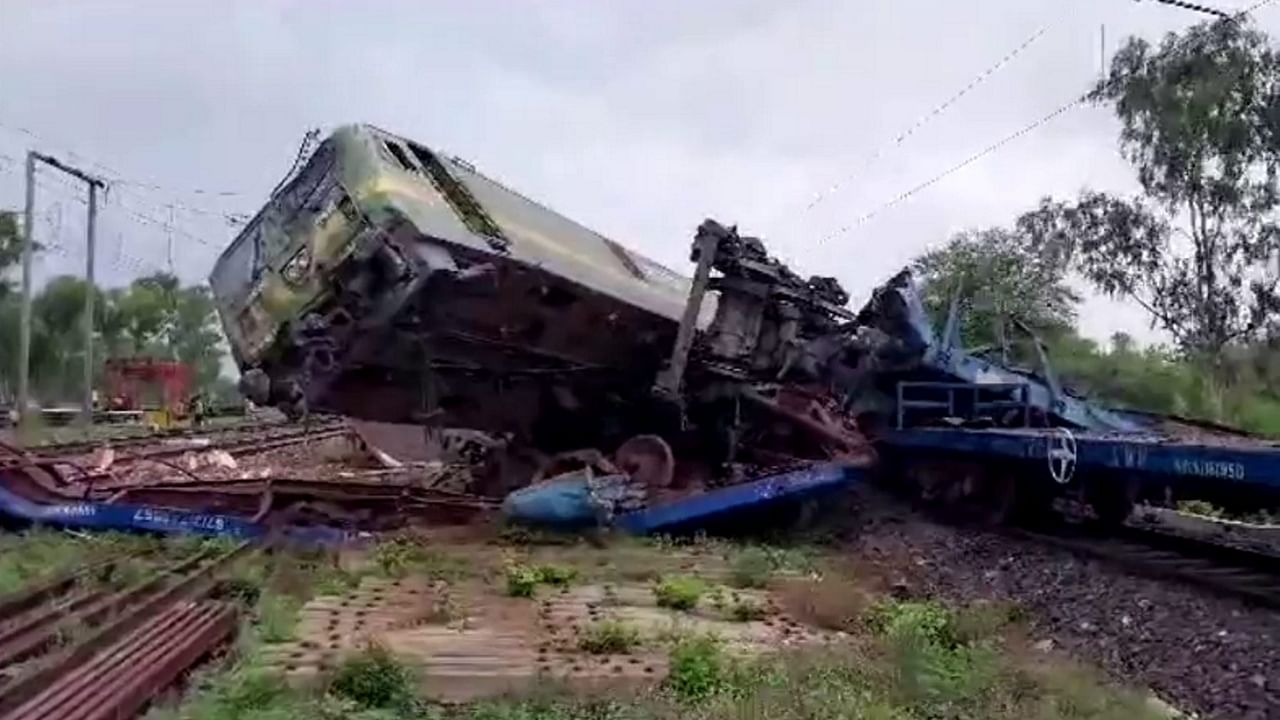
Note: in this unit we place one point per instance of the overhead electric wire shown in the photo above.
(997, 145)
(928, 117)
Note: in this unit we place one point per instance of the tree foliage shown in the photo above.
(1000, 281)
(154, 316)
(1200, 115)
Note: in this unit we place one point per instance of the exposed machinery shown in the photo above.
(390, 282)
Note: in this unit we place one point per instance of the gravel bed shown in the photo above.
(1204, 653)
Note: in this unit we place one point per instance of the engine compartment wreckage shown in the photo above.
(391, 283)
(388, 282)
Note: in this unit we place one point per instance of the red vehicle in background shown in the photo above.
(160, 390)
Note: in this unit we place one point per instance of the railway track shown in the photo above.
(166, 444)
(1249, 574)
(133, 643)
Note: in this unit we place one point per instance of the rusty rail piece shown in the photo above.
(191, 580)
(85, 609)
(119, 680)
(23, 600)
(249, 431)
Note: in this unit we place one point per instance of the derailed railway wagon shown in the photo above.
(388, 281)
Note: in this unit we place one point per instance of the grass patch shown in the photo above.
(747, 610)
(375, 679)
(751, 568)
(698, 668)
(609, 637)
(276, 617)
(399, 557)
(523, 580)
(1202, 508)
(681, 592)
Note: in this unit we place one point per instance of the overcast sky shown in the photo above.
(637, 119)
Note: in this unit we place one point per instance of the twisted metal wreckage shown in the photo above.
(459, 325)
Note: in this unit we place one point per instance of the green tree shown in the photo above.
(1001, 282)
(1200, 119)
(10, 251)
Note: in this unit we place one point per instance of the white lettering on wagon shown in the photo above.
(1210, 468)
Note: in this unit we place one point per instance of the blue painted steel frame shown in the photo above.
(714, 504)
(140, 518)
(945, 356)
(1258, 466)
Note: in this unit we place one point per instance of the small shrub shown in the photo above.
(829, 603)
(926, 621)
(557, 575)
(394, 557)
(1200, 507)
(277, 618)
(752, 568)
(609, 637)
(522, 581)
(374, 679)
(698, 668)
(242, 591)
(747, 611)
(982, 621)
(679, 593)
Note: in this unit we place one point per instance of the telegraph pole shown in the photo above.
(24, 331)
(24, 324)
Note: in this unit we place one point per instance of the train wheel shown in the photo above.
(1112, 498)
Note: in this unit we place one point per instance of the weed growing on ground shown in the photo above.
(609, 637)
(927, 621)
(276, 617)
(375, 679)
(522, 581)
(746, 610)
(35, 554)
(680, 592)
(751, 568)
(398, 557)
(556, 575)
(698, 668)
(1200, 507)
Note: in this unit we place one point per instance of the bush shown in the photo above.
(394, 557)
(609, 638)
(698, 668)
(374, 679)
(679, 593)
(522, 581)
(1200, 507)
(277, 618)
(557, 575)
(925, 621)
(747, 611)
(752, 568)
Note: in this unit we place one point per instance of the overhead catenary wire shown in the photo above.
(997, 145)
(931, 115)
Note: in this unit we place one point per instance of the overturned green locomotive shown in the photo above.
(387, 281)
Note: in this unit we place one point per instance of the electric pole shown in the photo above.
(24, 330)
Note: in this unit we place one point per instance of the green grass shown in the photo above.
(399, 557)
(912, 661)
(523, 581)
(746, 610)
(752, 568)
(680, 592)
(609, 637)
(376, 680)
